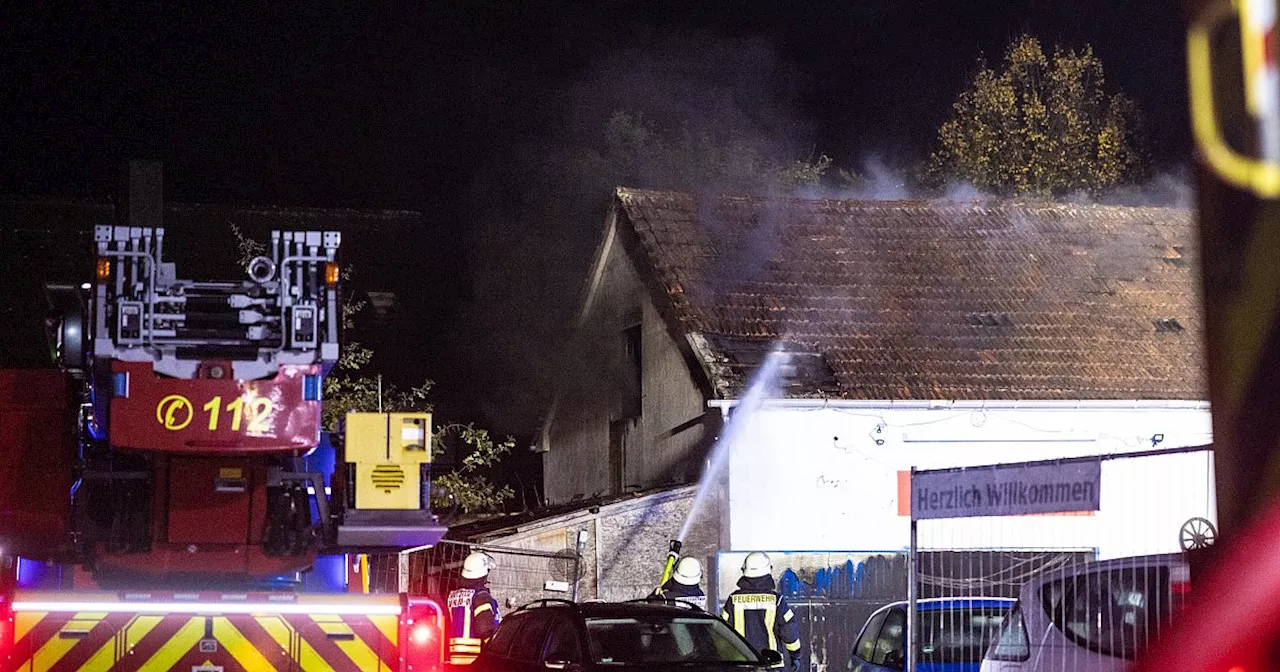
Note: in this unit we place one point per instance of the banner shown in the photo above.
(1007, 490)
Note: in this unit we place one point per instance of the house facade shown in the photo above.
(918, 334)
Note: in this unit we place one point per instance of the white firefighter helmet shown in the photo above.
(756, 564)
(476, 566)
(688, 572)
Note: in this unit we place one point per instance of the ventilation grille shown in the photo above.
(387, 477)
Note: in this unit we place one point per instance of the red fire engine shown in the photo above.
(160, 467)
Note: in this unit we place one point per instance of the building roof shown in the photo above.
(927, 300)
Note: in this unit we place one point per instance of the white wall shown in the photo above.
(815, 479)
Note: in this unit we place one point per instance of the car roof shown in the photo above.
(945, 603)
(1158, 560)
(638, 608)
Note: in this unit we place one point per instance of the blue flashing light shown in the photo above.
(38, 575)
(120, 384)
(311, 388)
(321, 457)
(328, 575)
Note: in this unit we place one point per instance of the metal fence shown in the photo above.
(1090, 548)
(519, 575)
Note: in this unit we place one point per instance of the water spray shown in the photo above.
(673, 555)
(766, 384)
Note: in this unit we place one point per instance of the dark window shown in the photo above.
(1114, 612)
(528, 642)
(618, 454)
(866, 647)
(562, 643)
(1011, 644)
(633, 375)
(892, 641)
(660, 640)
(958, 635)
(500, 645)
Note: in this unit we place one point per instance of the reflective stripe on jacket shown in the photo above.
(763, 617)
(473, 615)
(673, 590)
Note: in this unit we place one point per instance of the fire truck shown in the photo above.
(161, 472)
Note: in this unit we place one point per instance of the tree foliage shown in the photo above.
(1040, 126)
(350, 386)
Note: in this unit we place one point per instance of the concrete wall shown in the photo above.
(666, 442)
(829, 479)
(627, 541)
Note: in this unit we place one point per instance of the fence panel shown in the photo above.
(1095, 580)
(519, 575)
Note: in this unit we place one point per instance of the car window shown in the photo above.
(500, 644)
(1011, 644)
(958, 635)
(891, 643)
(562, 642)
(1113, 612)
(665, 640)
(866, 647)
(529, 639)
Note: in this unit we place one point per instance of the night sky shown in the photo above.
(420, 106)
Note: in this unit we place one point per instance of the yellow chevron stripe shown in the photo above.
(359, 651)
(56, 647)
(389, 625)
(177, 646)
(306, 656)
(24, 621)
(139, 629)
(107, 655)
(239, 646)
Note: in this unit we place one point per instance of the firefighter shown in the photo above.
(473, 613)
(683, 584)
(760, 614)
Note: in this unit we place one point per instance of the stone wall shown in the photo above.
(626, 542)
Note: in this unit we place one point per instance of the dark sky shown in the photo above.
(385, 106)
(416, 104)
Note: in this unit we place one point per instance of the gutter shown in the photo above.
(725, 405)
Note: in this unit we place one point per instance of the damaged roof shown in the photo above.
(918, 300)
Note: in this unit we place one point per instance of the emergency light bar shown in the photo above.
(339, 609)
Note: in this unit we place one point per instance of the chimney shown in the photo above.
(144, 195)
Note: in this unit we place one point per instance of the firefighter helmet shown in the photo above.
(476, 566)
(756, 564)
(688, 572)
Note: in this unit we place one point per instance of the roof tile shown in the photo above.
(924, 300)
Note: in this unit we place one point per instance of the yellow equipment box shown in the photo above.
(387, 451)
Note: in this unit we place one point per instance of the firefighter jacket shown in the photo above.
(473, 616)
(672, 590)
(762, 616)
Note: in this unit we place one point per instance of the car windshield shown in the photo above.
(958, 635)
(635, 641)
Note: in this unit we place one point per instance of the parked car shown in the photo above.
(954, 633)
(643, 634)
(1096, 617)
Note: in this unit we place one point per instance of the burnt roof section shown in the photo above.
(928, 300)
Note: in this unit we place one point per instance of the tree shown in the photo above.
(1040, 126)
(351, 387)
